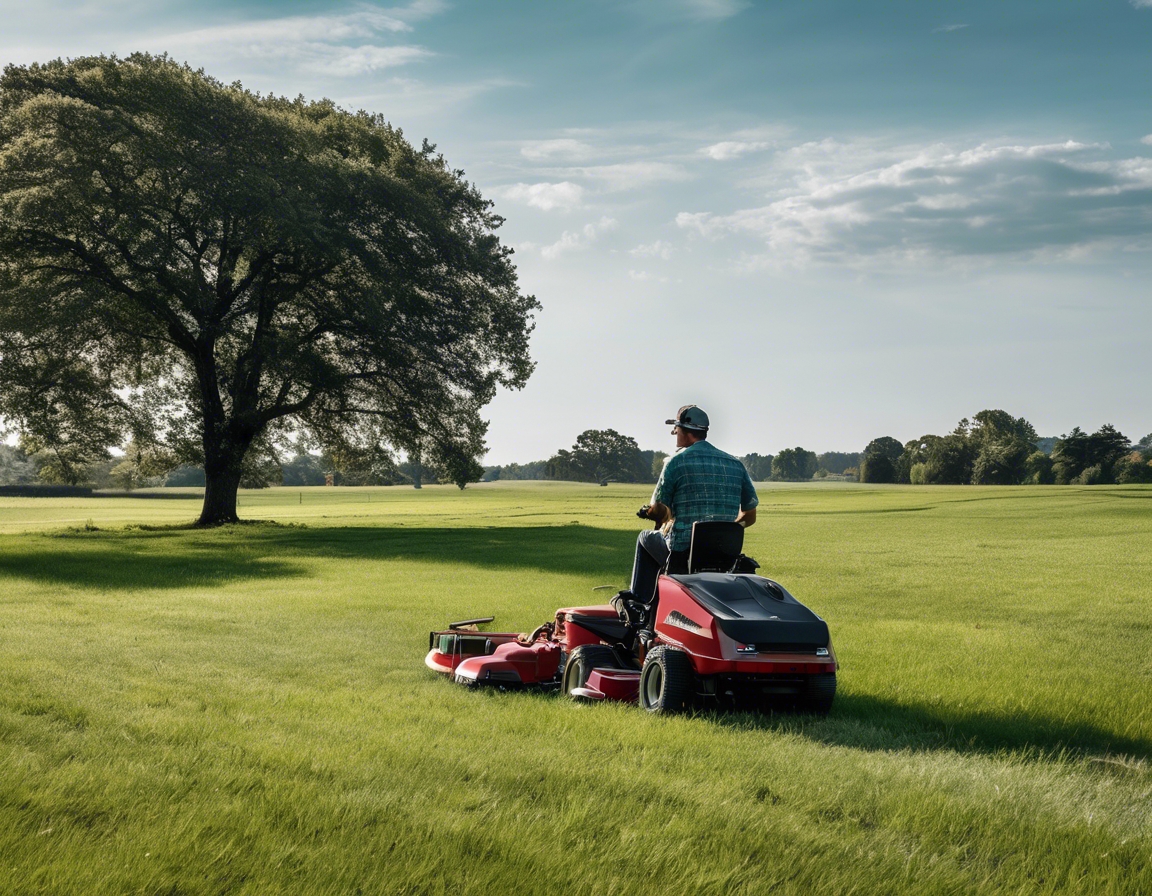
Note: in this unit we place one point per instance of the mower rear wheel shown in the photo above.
(668, 682)
(583, 660)
(819, 693)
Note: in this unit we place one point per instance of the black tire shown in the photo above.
(819, 694)
(667, 683)
(583, 660)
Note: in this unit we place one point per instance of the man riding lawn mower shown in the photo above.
(697, 628)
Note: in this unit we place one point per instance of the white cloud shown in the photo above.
(344, 45)
(1142, 4)
(733, 149)
(714, 9)
(540, 150)
(841, 201)
(1147, 140)
(943, 29)
(658, 249)
(630, 175)
(573, 240)
(546, 196)
(347, 62)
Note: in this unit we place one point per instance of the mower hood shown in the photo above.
(755, 610)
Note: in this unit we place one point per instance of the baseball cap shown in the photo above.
(690, 417)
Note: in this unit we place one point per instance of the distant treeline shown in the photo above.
(604, 455)
(993, 448)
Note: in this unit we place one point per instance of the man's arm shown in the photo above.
(747, 517)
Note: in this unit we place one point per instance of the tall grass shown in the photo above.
(246, 710)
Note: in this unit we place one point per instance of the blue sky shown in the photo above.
(822, 221)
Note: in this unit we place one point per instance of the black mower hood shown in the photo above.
(755, 610)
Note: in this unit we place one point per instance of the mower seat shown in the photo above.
(715, 546)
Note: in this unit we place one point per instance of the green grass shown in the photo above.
(246, 710)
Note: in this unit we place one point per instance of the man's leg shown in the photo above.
(651, 555)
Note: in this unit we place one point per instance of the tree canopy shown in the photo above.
(794, 465)
(600, 455)
(196, 267)
(880, 459)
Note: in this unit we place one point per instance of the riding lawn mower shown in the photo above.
(718, 636)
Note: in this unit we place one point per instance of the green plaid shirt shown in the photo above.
(702, 483)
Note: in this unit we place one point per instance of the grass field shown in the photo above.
(246, 710)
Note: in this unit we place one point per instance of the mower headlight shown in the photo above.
(821, 651)
(746, 648)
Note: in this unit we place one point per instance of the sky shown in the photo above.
(823, 222)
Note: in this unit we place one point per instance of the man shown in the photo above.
(699, 483)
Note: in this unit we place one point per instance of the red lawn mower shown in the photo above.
(719, 636)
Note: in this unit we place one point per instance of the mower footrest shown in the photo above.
(610, 684)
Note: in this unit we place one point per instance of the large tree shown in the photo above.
(197, 266)
(794, 465)
(600, 455)
(880, 460)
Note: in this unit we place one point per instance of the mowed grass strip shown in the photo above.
(246, 710)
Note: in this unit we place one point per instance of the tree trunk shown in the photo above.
(220, 487)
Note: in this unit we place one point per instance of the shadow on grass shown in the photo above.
(172, 558)
(867, 722)
(179, 556)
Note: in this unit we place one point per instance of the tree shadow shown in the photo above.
(872, 723)
(178, 556)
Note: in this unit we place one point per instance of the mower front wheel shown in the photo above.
(667, 683)
(582, 661)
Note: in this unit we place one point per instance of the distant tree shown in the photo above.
(1078, 452)
(1133, 468)
(759, 466)
(305, 469)
(1002, 444)
(246, 263)
(794, 465)
(877, 468)
(140, 466)
(838, 461)
(491, 474)
(880, 459)
(1144, 446)
(600, 455)
(416, 472)
(16, 467)
(1093, 475)
(1000, 426)
(187, 476)
(659, 458)
(1002, 463)
(950, 460)
(1070, 456)
(1038, 469)
(536, 469)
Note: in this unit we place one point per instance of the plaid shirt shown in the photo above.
(703, 483)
